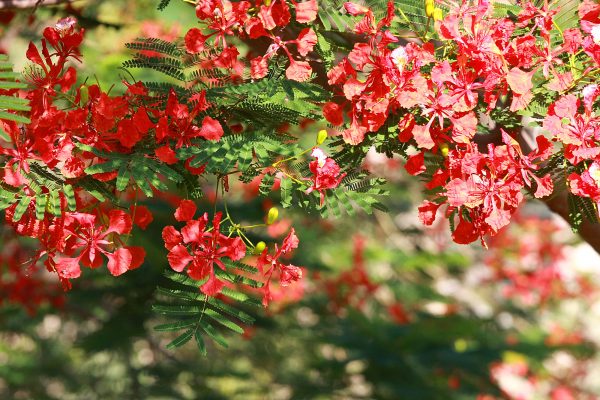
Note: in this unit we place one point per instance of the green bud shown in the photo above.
(260, 246)
(272, 215)
(321, 136)
(83, 95)
(444, 148)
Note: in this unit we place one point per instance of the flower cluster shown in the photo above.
(445, 91)
(222, 19)
(483, 190)
(472, 71)
(200, 247)
(270, 264)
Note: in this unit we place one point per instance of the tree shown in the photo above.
(429, 84)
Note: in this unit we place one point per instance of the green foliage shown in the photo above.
(145, 172)
(49, 191)
(581, 209)
(10, 105)
(163, 4)
(248, 152)
(200, 316)
(333, 16)
(358, 191)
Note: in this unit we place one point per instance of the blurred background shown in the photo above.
(387, 309)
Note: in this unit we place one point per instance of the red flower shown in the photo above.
(326, 173)
(306, 11)
(200, 249)
(83, 234)
(267, 264)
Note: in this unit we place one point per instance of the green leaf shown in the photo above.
(175, 326)
(70, 195)
(107, 166)
(200, 342)
(40, 206)
(181, 339)
(54, 204)
(14, 117)
(213, 333)
(122, 178)
(21, 208)
(286, 189)
(176, 309)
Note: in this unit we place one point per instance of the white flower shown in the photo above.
(319, 155)
(596, 33)
(399, 58)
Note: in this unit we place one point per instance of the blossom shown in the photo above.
(268, 264)
(83, 234)
(199, 248)
(326, 173)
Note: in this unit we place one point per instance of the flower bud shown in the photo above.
(438, 14)
(321, 136)
(260, 246)
(444, 148)
(429, 8)
(272, 215)
(83, 95)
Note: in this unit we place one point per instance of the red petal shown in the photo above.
(171, 237)
(119, 222)
(298, 71)
(33, 55)
(333, 113)
(457, 192)
(423, 137)
(519, 80)
(166, 154)
(355, 9)
(212, 286)
(141, 120)
(138, 254)
(415, 164)
(306, 12)
(427, 212)
(185, 211)
(193, 230)
(194, 41)
(290, 242)
(465, 233)
(68, 268)
(544, 186)
(236, 249)
(179, 258)
(142, 217)
(119, 261)
(211, 129)
(497, 219)
(306, 41)
(355, 134)
(259, 67)
(289, 273)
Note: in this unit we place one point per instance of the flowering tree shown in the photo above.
(487, 103)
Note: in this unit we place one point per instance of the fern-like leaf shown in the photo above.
(196, 315)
